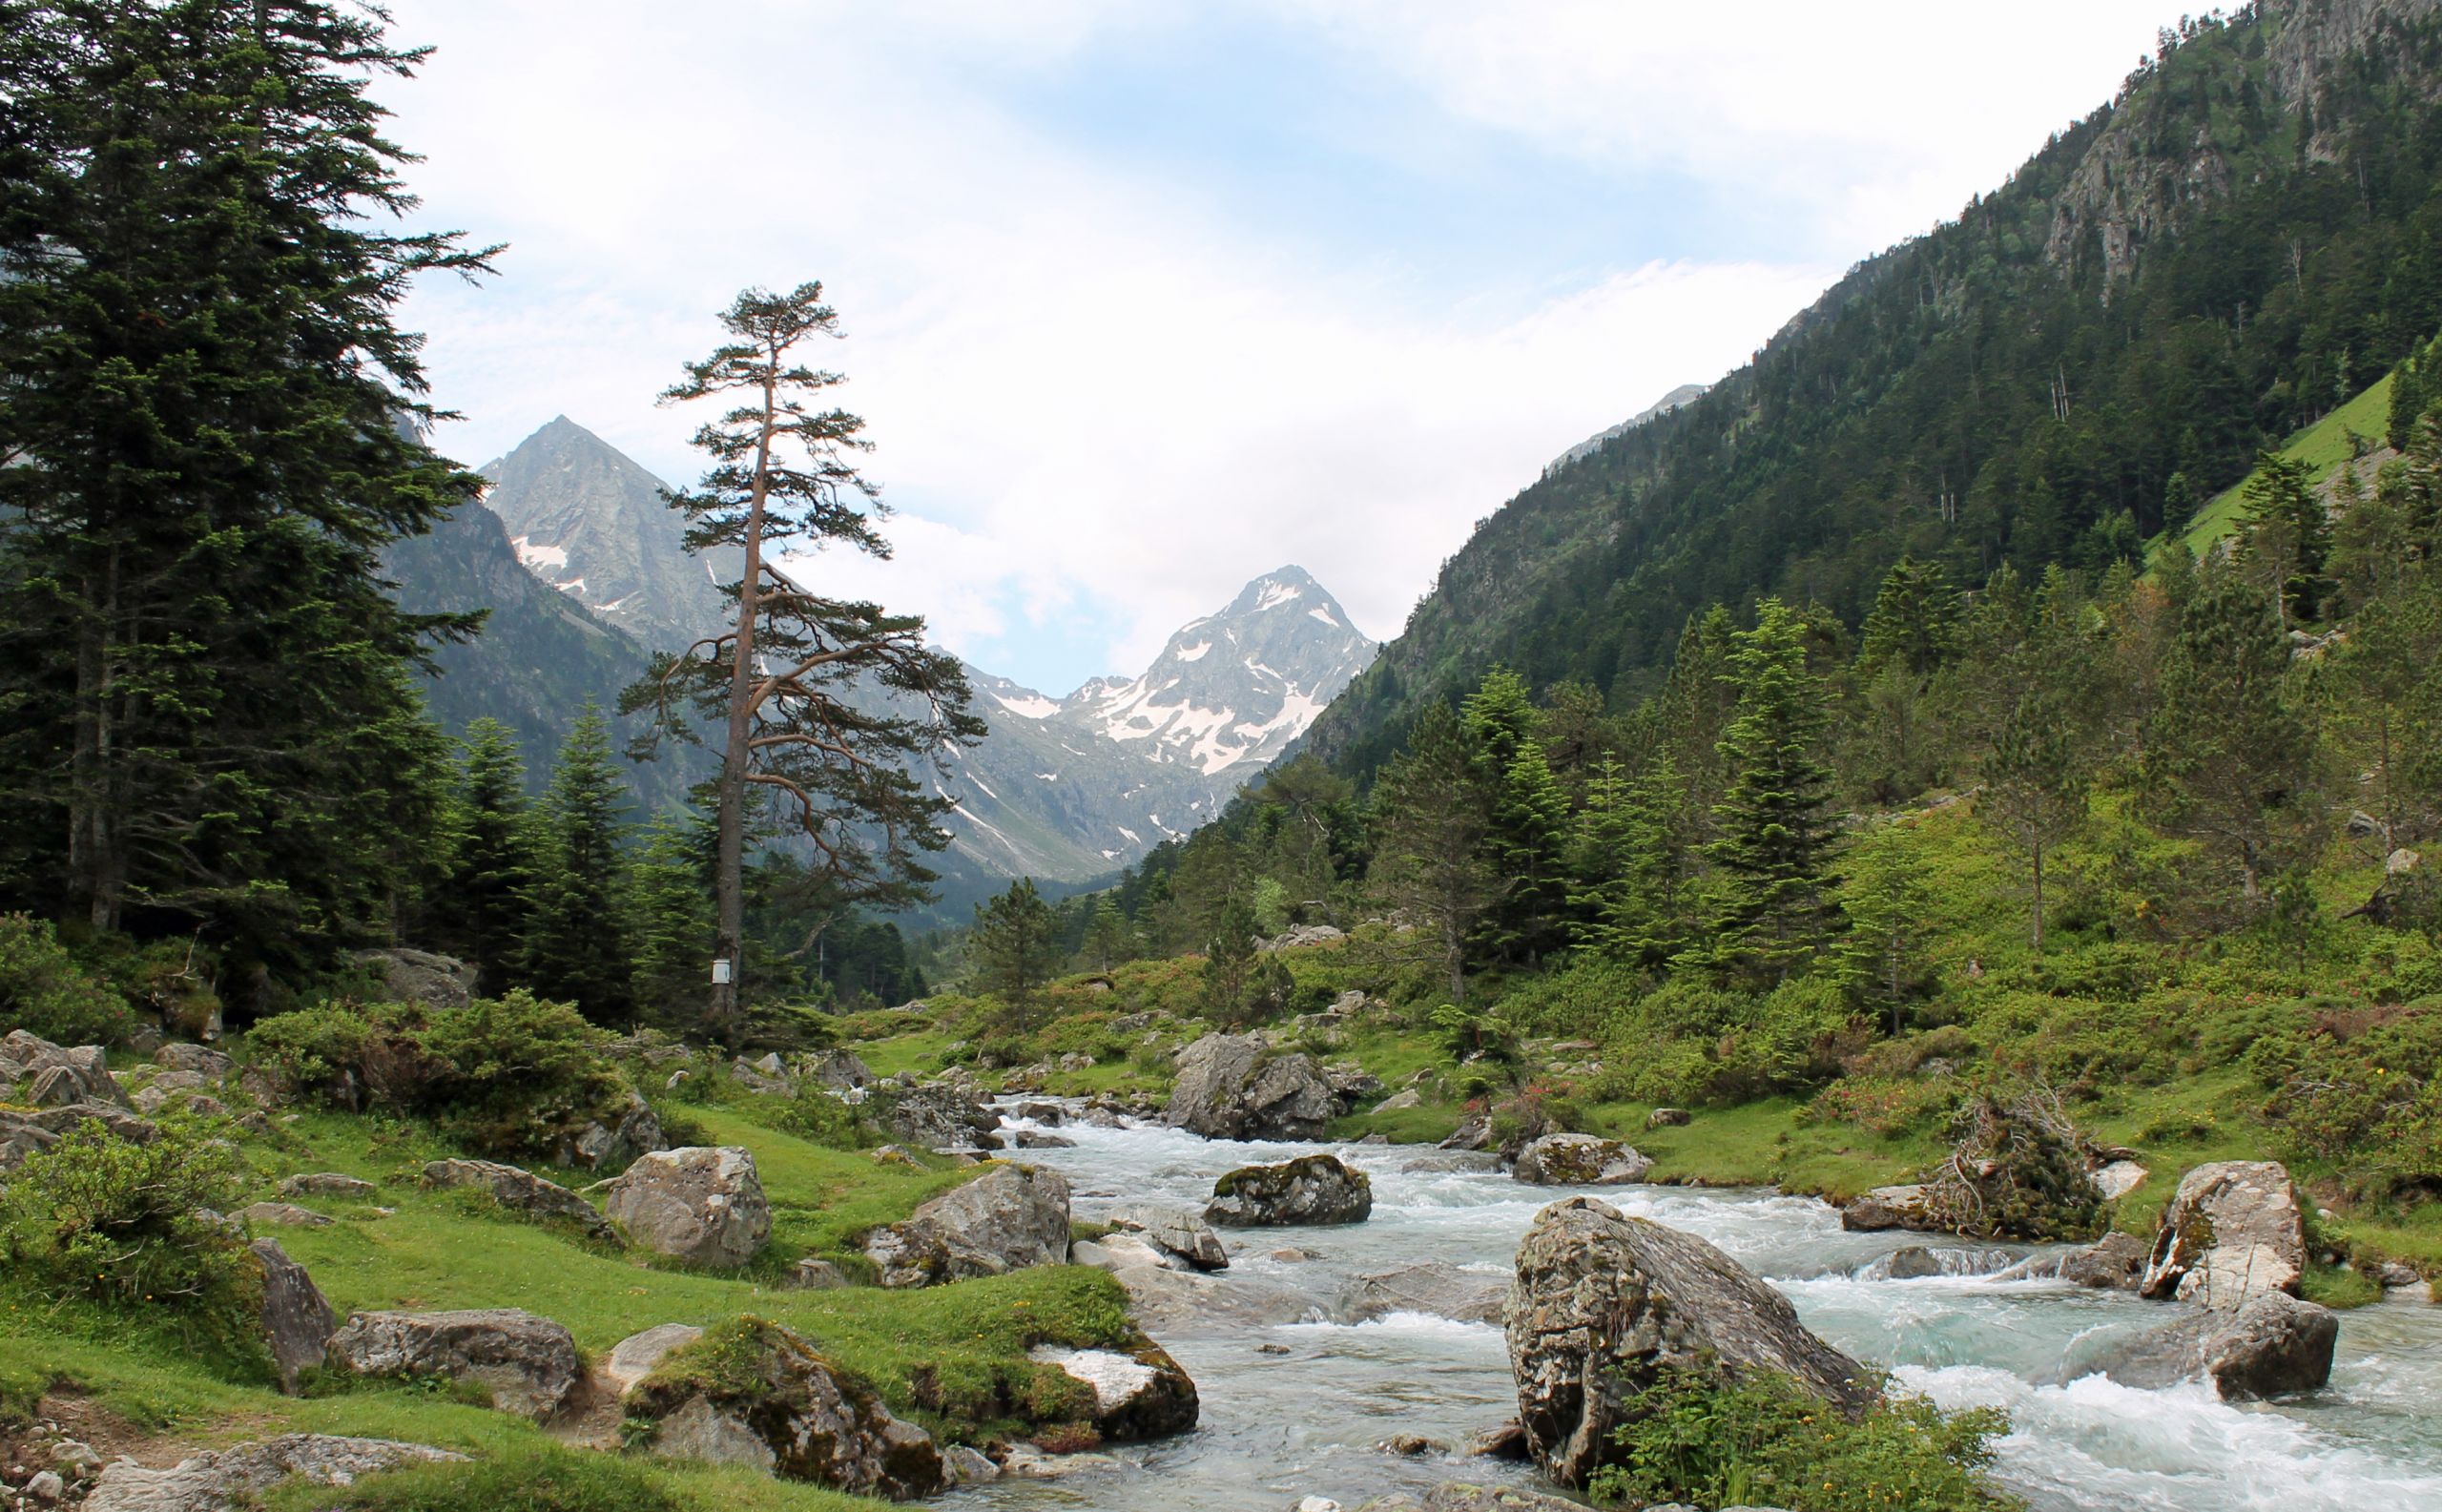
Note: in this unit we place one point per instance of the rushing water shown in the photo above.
(1277, 1426)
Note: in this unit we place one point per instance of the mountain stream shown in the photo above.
(1298, 1408)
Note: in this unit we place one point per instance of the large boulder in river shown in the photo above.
(701, 1204)
(1435, 1288)
(1888, 1208)
(2233, 1232)
(528, 1363)
(2271, 1345)
(225, 1479)
(1237, 1087)
(521, 1190)
(1176, 1232)
(753, 1393)
(1007, 1219)
(1139, 1395)
(1311, 1188)
(1604, 1304)
(1580, 1160)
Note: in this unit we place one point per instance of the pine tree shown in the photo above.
(1109, 938)
(1429, 838)
(1773, 909)
(2226, 760)
(203, 675)
(486, 910)
(1888, 904)
(582, 948)
(671, 900)
(1913, 624)
(2284, 536)
(844, 771)
(1230, 964)
(1016, 949)
(1603, 860)
(1527, 816)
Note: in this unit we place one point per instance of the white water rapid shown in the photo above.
(1277, 1426)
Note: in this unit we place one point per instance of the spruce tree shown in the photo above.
(210, 443)
(486, 910)
(1527, 816)
(1230, 964)
(1773, 909)
(1109, 938)
(1429, 844)
(1888, 904)
(2285, 535)
(1016, 949)
(671, 900)
(583, 947)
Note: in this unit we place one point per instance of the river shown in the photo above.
(1305, 1417)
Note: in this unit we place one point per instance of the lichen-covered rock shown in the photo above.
(57, 1076)
(753, 1393)
(281, 1214)
(935, 1116)
(1237, 1086)
(296, 1318)
(520, 1191)
(639, 1355)
(616, 1140)
(1309, 1189)
(2233, 1232)
(1176, 1232)
(195, 1059)
(329, 1184)
(1580, 1160)
(1888, 1207)
(704, 1205)
(1604, 1303)
(2271, 1345)
(527, 1363)
(420, 976)
(226, 1480)
(1139, 1395)
(1436, 1288)
(1007, 1219)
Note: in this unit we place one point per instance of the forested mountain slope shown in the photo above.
(2247, 237)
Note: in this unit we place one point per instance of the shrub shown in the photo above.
(534, 1478)
(44, 992)
(1702, 1436)
(107, 1220)
(2362, 1087)
(511, 1075)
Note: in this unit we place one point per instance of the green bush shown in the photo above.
(511, 1075)
(44, 992)
(1704, 1437)
(103, 1219)
(2360, 1085)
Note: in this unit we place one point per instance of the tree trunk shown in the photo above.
(729, 861)
(2037, 851)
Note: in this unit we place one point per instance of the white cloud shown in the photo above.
(1097, 393)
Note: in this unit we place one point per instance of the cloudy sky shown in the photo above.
(1147, 297)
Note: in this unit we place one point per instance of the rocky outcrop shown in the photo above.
(1309, 1189)
(839, 1070)
(639, 1355)
(753, 1393)
(528, 1363)
(704, 1205)
(1176, 1233)
(1007, 1219)
(280, 1214)
(1580, 1160)
(420, 976)
(1436, 1288)
(297, 1320)
(196, 1060)
(1139, 1395)
(522, 1192)
(1237, 1086)
(614, 1141)
(2233, 1232)
(57, 1076)
(1602, 1304)
(2272, 1345)
(227, 1480)
(1299, 937)
(935, 1116)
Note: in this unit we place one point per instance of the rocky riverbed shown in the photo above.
(1323, 1357)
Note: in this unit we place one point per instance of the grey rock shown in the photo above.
(528, 1363)
(2271, 1345)
(194, 1059)
(637, 1356)
(420, 976)
(1176, 1232)
(1602, 1304)
(1398, 1101)
(1299, 936)
(1162, 1300)
(2118, 1178)
(520, 1191)
(1451, 1497)
(1434, 1287)
(1309, 1189)
(46, 1485)
(2115, 1262)
(1666, 1118)
(1138, 1395)
(1887, 1208)
(1236, 1086)
(931, 1117)
(704, 1205)
(603, 1144)
(116, 1120)
(227, 1480)
(841, 1069)
(1118, 1252)
(1580, 1160)
(1009, 1218)
(2233, 1232)
(1038, 1139)
(967, 1466)
(329, 1184)
(1506, 1440)
(287, 1215)
(1474, 1132)
(816, 1276)
(20, 1137)
(297, 1319)
(793, 1416)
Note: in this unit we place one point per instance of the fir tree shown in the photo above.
(485, 912)
(1887, 905)
(582, 949)
(2284, 536)
(1773, 909)
(1527, 816)
(1109, 938)
(1913, 624)
(1230, 964)
(1429, 837)
(671, 900)
(1016, 949)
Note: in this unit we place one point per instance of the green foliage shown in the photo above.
(1014, 948)
(511, 1076)
(122, 1223)
(1884, 956)
(533, 1477)
(581, 944)
(1718, 1439)
(44, 992)
(486, 911)
(2358, 1086)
